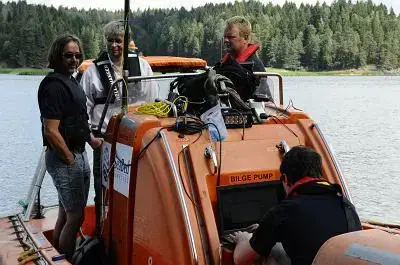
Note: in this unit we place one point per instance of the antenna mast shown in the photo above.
(125, 72)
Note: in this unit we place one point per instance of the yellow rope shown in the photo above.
(160, 109)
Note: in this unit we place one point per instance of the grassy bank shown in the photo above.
(371, 71)
(23, 71)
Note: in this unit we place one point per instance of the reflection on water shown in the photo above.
(359, 115)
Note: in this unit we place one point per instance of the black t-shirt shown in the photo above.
(53, 99)
(302, 224)
(57, 101)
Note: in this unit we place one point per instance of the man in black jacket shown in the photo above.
(65, 131)
(237, 42)
(313, 212)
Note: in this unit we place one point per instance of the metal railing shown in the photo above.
(170, 76)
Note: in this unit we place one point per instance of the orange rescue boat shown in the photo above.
(170, 196)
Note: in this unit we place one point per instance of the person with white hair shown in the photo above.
(97, 81)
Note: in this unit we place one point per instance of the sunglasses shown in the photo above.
(70, 55)
(117, 40)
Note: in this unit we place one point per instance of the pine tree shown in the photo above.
(311, 48)
(343, 35)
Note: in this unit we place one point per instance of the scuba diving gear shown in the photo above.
(73, 126)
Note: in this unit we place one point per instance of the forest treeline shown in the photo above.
(342, 35)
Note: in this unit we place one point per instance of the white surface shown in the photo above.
(122, 169)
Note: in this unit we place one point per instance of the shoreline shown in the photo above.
(283, 72)
(348, 72)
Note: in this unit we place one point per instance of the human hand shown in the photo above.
(239, 236)
(70, 159)
(96, 142)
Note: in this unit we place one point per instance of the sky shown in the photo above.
(135, 4)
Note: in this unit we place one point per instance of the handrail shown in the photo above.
(163, 76)
(166, 76)
(335, 163)
(36, 184)
(280, 82)
(179, 187)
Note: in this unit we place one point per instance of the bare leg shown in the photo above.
(61, 219)
(69, 232)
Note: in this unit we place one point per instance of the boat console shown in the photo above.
(167, 180)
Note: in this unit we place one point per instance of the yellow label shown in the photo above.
(250, 177)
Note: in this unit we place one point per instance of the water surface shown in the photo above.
(359, 116)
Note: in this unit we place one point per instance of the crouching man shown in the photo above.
(313, 212)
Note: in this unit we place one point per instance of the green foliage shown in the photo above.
(316, 37)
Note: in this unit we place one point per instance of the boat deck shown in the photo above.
(17, 236)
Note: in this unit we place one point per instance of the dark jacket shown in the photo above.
(309, 216)
(250, 56)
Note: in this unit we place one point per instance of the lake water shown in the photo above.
(359, 115)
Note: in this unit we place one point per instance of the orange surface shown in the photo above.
(162, 63)
(130, 133)
(174, 61)
(85, 65)
(374, 245)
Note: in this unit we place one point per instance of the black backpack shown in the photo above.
(89, 251)
(201, 90)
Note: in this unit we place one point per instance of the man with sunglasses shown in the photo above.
(97, 82)
(65, 131)
(313, 211)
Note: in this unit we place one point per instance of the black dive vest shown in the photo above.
(74, 126)
(107, 76)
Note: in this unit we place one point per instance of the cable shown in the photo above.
(298, 139)
(179, 166)
(149, 143)
(121, 160)
(195, 125)
(125, 86)
(290, 104)
(295, 107)
(188, 125)
(141, 151)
